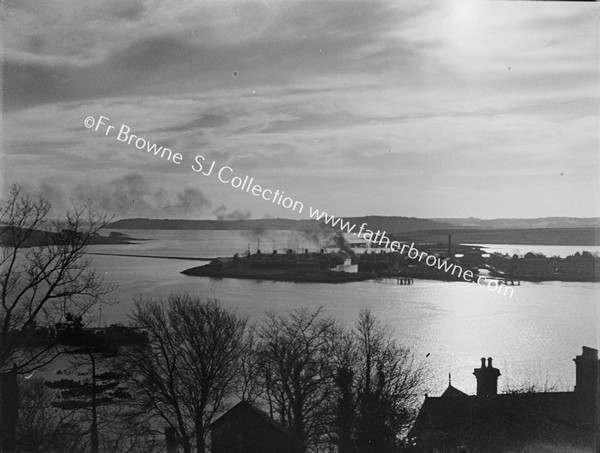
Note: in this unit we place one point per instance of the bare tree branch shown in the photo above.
(43, 275)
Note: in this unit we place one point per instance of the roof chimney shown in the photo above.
(487, 378)
(586, 373)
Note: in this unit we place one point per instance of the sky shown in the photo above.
(378, 107)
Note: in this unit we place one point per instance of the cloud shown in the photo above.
(251, 45)
(130, 10)
(202, 122)
(311, 98)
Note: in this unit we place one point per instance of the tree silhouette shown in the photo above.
(386, 386)
(191, 365)
(43, 275)
(297, 370)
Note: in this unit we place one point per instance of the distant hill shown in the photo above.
(37, 238)
(180, 224)
(397, 224)
(537, 236)
(541, 222)
(576, 231)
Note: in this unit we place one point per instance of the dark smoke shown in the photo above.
(341, 242)
(315, 235)
(256, 235)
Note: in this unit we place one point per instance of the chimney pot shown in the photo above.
(587, 374)
(487, 379)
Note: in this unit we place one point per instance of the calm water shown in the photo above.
(532, 336)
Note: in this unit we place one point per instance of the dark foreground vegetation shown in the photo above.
(334, 388)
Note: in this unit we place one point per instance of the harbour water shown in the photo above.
(532, 336)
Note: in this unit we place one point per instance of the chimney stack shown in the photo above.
(487, 378)
(586, 372)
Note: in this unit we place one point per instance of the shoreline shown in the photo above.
(131, 255)
(286, 275)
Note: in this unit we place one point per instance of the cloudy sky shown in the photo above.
(412, 108)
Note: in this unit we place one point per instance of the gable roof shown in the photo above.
(452, 392)
(245, 409)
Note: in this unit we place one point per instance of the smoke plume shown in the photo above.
(222, 214)
(132, 195)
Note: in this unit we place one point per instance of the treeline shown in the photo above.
(582, 266)
(335, 388)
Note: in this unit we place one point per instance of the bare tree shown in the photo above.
(251, 387)
(343, 417)
(191, 366)
(298, 376)
(387, 384)
(43, 275)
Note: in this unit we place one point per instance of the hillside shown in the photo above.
(180, 224)
(398, 224)
(537, 236)
(541, 222)
(406, 228)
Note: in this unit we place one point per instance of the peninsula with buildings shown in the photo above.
(356, 262)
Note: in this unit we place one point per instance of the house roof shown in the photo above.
(514, 420)
(452, 392)
(242, 409)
